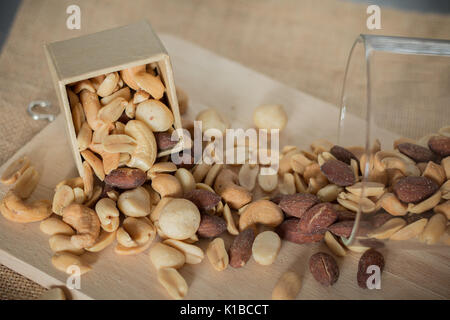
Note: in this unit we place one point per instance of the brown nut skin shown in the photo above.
(126, 178)
(416, 152)
(414, 189)
(290, 230)
(317, 218)
(203, 199)
(370, 257)
(296, 205)
(343, 215)
(211, 226)
(440, 145)
(164, 140)
(324, 268)
(344, 228)
(342, 154)
(338, 172)
(241, 248)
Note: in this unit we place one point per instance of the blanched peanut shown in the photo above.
(287, 287)
(186, 179)
(434, 229)
(388, 229)
(135, 202)
(192, 253)
(164, 256)
(265, 247)
(270, 117)
(63, 197)
(53, 225)
(247, 176)
(217, 254)
(155, 114)
(334, 245)
(268, 182)
(231, 224)
(173, 282)
(179, 219)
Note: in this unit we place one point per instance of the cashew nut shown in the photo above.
(64, 260)
(15, 170)
(63, 197)
(14, 209)
(167, 186)
(106, 211)
(103, 241)
(144, 154)
(26, 183)
(226, 186)
(395, 160)
(117, 143)
(61, 242)
(261, 211)
(85, 221)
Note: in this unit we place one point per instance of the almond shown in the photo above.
(416, 152)
(204, 200)
(164, 140)
(324, 268)
(369, 258)
(414, 189)
(342, 154)
(297, 204)
(338, 172)
(290, 230)
(344, 228)
(440, 145)
(126, 178)
(241, 249)
(211, 226)
(317, 218)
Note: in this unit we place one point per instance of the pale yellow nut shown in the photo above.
(72, 182)
(434, 229)
(354, 203)
(76, 110)
(112, 226)
(265, 247)
(445, 131)
(97, 81)
(61, 242)
(88, 180)
(141, 230)
(391, 204)
(122, 93)
(128, 251)
(66, 262)
(445, 189)
(192, 253)
(108, 85)
(167, 186)
(204, 186)
(95, 163)
(63, 197)
(329, 193)
(410, 231)
(106, 210)
(130, 109)
(186, 179)
(91, 106)
(110, 161)
(103, 241)
(200, 171)
(79, 196)
(154, 215)
(96, 193)
(179, 219)
(212, 174)
(321, 145)
(119, 143)
(217, 254)
(15, 170)
(173, 282)
(285, 163)
(387, 229)
(53, 225)
(268, 182)
(119, 128)
(83, 85)
(85, 222)
(127, 76)
(445, 163)
(144, 156)
(247, 176)
(435, 172)
(231, 224)
(212, 119)
(300, 185)
(26, 183)
(334, 245)
(395, 160)
(84, 136)
(135, 202)
(140, 96)
(287, 287)
(102, 132)
(161, 167)
(270, 117)
(299, 161)
(149, 83)
(261, 211)
(368, 189)
(323, 157)
(355, 167)
(113, 110)
(426, 204)
(287, 184)
(124, 239)
(443, 208)
(183, 100)
(445, 239)
(164, 256)
(155, 114)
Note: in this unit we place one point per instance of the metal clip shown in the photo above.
(38, 115)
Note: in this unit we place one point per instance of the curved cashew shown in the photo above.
(167, 186)
(226, 186)
(83, 85)
(262, 211)
(127, 76)
(15, 170)
(91, 106)
(26, 183)
(61, 242)
(144, 155)
(95, 163)
(104, 240)
(63, 197)
(85, 221)
(395, 160)
(135, 202)
(106, 211)
(116, 143)
(108, 85)
(72, 182)
(14, 209)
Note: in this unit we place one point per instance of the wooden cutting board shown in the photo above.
(214, 81)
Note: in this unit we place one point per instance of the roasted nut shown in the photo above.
(416, 152)
(217, 254)
(324, 268)
(53, 225)
(76, 109)
(119, 143)
(108, 85)
(440, 145)
(342, 154)
(338, 172)
(317, 218)
(155, 115)
(126, 178)
(26, 183)
(410, 231)
(268, 182)
(367, 189)
(96, 193)
(287, 287)
(91, 106)
(173, 282)
(434, 229)
(435, 172)
(88, 180)
(395, 160)
(167, 186)
(261, 211)
(387, 229)
(414, 189)
(145, 152)
(297, 204)
(149, 83)
(164, 140)
(61, 242)
(15, 170)
(140, 96)
(270, 117)
(211, 226)
(212, 119)
(287, 184)
(212, 174)
(265, 248)
(329, 193)
(370, 258)
(192, 253)
(233, 194)
(63, 197)
(344, 228)
(445, 163)
(443, 208)
(14, 209)
(354, 203)
(161, 167)
(136, 232)
(127, 251)
(104, 240)
(127, 76)
(122, 93)
(95, 163)
(164, 256)
(135, 202)
(186, 179)
(200, 171)
(113, 110)
(204, 200)
(179, 219)
(231, 224)
(107, 212)
(426, 204)
(288, 162)
(64, 260)
(334, 245)
(391, 204)
(85, 222)
(321, 145)
(241, 248)
(289, 230)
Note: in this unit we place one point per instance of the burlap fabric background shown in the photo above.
(303, 43)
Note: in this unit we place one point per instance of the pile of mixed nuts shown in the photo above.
(129, 196)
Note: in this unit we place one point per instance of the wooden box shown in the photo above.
(104, 52)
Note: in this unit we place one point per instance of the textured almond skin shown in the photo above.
(370, 257)
(345, 215)
(344, 228)
(203, 199)
(317, 218)
(324, 268)
(296, 205)
(414, 189)
(342, 154)
(440, 145)
(164, 140)
(338, 172)
(126, 178)
(290, 230)
(380, 218)
(211, 226)
(241, 248)
(416, 152)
